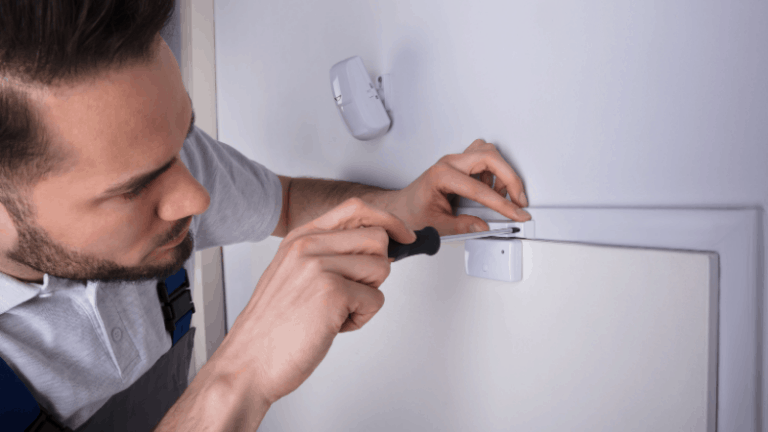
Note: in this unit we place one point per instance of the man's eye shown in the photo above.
(130, 196)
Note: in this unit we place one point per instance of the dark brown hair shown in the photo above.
(50, 43)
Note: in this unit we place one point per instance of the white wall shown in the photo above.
(621, 103)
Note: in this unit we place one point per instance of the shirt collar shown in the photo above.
(14, 292)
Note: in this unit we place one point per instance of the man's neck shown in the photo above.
(21, 273)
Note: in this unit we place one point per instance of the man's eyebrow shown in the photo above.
(146, 178)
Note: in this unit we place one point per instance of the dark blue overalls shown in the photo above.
(19, 411)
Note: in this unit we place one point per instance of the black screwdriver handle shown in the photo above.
(427, 242)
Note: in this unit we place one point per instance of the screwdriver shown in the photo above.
(428, 241)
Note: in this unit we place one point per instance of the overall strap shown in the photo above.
(18, 408)
(176, 302)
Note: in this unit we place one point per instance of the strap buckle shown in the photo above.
(178, 303)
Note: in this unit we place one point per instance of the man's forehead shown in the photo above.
(124, 124)
(110, 136)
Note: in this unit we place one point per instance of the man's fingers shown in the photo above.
(487, 178)
(362, 275)
(492, 161)
(369, 241)
(461, 224)
(355, 213)
(365, 269)
(500, 188)
(476, 144)
(363, 303)
(453, 181)
(485, 157)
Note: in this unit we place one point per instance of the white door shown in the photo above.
(594, 338)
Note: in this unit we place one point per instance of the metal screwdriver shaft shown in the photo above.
(481, 234)
(428, 241)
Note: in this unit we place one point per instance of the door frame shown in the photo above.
(198, 71)
(734, 234)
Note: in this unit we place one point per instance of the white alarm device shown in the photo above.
(359, 102)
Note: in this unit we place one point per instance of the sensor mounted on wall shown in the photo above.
(360, 103)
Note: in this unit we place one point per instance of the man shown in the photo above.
(106, 187)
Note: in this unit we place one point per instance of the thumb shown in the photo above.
(462, 224)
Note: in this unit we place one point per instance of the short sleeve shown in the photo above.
(246, 197)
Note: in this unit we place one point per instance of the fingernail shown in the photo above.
(475, 228)
(523, 214)
(523, 199)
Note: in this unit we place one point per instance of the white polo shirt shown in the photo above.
(75, 345)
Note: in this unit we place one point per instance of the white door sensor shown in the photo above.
(500, 259)
(359, 102)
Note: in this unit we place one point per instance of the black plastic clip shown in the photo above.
(177, 304)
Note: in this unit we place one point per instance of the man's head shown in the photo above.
(90, 98)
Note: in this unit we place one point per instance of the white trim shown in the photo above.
(732, 233)
(198, 72)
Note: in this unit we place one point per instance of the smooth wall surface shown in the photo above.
(449, 352)
(657, 104)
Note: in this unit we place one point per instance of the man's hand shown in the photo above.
(323, 280)
(425, 201)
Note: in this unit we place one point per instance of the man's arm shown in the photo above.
(424, 202)
(217, 401)
(305, 199)
(222, 396)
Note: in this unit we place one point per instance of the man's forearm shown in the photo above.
(214, 401)
(309, 198)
